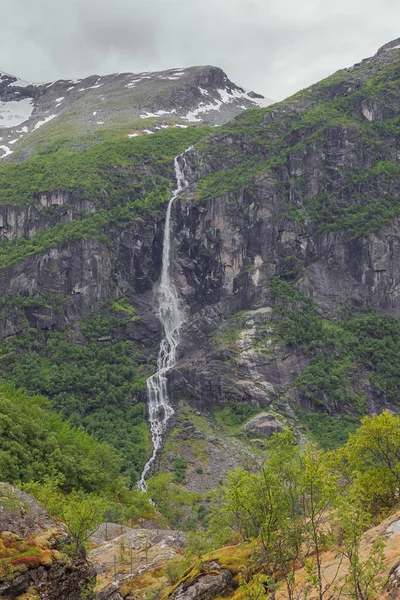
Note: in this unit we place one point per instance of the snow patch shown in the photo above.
(22, 130)
(58, 100)
(6, 150)
(201, 109)
(239, 94)
(132, 135)
(21, 83)
(181, 126)
(204, 92)
(94, 113)
(396, 47)
(147, 131)
(94, 87)
(15, 112)
(45, 120)
(100, 122)
(159, 113)
(71, 88)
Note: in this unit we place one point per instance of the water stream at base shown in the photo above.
(171, 318)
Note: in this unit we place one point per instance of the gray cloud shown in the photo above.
(272, 46)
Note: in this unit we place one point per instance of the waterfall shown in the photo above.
(171, 318)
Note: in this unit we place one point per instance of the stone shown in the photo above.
(263, 425)
(206, 586)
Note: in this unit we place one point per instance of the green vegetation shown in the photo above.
(111, 172)
(175, 503)
(330, 432)
(344, 353)
(235, 414)
(179, 467)
(306, 501)
(100, 385)
(35, 443)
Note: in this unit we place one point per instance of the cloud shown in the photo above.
(272, 46)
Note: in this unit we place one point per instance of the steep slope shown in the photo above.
(82, 111)
(292, 215)
(284, 253)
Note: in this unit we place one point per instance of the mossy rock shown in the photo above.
(229, 558)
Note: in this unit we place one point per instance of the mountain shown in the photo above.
(284, 253)
(137, 103)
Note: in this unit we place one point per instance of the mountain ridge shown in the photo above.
(139, 103)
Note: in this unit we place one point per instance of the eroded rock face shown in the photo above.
(20, 514)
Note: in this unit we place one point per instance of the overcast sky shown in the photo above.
(274, 47)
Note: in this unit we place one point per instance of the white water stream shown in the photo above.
(171, 318)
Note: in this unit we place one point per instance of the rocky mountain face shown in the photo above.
(143, 103)
(285, 254)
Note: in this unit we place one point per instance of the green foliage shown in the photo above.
(108, 172)
(35, 442)
(173, 502)
(174, 569)
(339, 350)
(352, 518)
(198, 543)
(306, 501)
(82, 513)
(111, 173)
(98, 385)
(373, 454)
(330, 432)
(6, 569)
(179, 467)
(235, 414)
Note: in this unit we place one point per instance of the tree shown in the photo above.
(352, 520)
(265, 509)
(172, 501)
(82, 513)
(318, 489)
(372, 456)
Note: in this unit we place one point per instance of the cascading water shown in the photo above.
(171, 318)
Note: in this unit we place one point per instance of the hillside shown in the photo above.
(284, 255)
